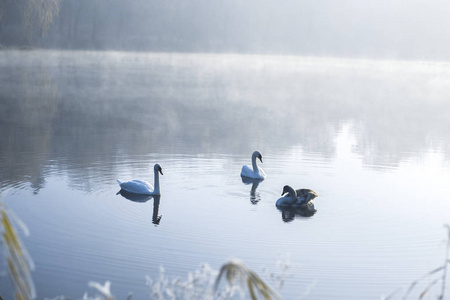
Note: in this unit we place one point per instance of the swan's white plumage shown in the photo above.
(141, 186)
(255, 172)
(247, 172)
(137, 187)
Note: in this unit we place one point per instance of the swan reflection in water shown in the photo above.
(289, 213)
(254, 196)
(142, 199)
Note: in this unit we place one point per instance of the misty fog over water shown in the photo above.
(132, 100)
(370, 137)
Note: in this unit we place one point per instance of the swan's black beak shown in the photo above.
(260, 158)
(160, 171)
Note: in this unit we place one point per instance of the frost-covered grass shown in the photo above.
(233, 280)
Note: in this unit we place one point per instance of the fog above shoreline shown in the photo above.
(86, 108)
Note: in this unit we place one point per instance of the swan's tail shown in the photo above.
(119, 182)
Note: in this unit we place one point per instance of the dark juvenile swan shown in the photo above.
(297, 198)
(143, 187)
(256, 172)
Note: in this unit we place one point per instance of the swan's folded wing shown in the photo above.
(306, 193)
(137, 187)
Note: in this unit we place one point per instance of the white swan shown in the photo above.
(256, 172)
(295, 198)
(143, 187)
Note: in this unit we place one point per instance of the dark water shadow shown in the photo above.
(134, 197)
(156, 219)
(254, 196)
(288, 214)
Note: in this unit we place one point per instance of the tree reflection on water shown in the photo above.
(73, 109)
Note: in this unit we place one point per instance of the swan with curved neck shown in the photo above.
(297, 198)
(255, 172)
(143, 187)
(289, 197)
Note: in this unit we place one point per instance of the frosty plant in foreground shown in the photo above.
(197, 286)
(235, 270)
(18, 260)
(205, 283)
(105, 290)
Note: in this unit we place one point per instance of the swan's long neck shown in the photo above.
(255, 166)
(291, 192)
(156, 191)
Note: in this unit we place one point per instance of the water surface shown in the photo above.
(370, 137)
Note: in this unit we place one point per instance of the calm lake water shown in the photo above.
(372, 138)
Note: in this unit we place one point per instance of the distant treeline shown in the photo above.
(121, 24)
(349, 28)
